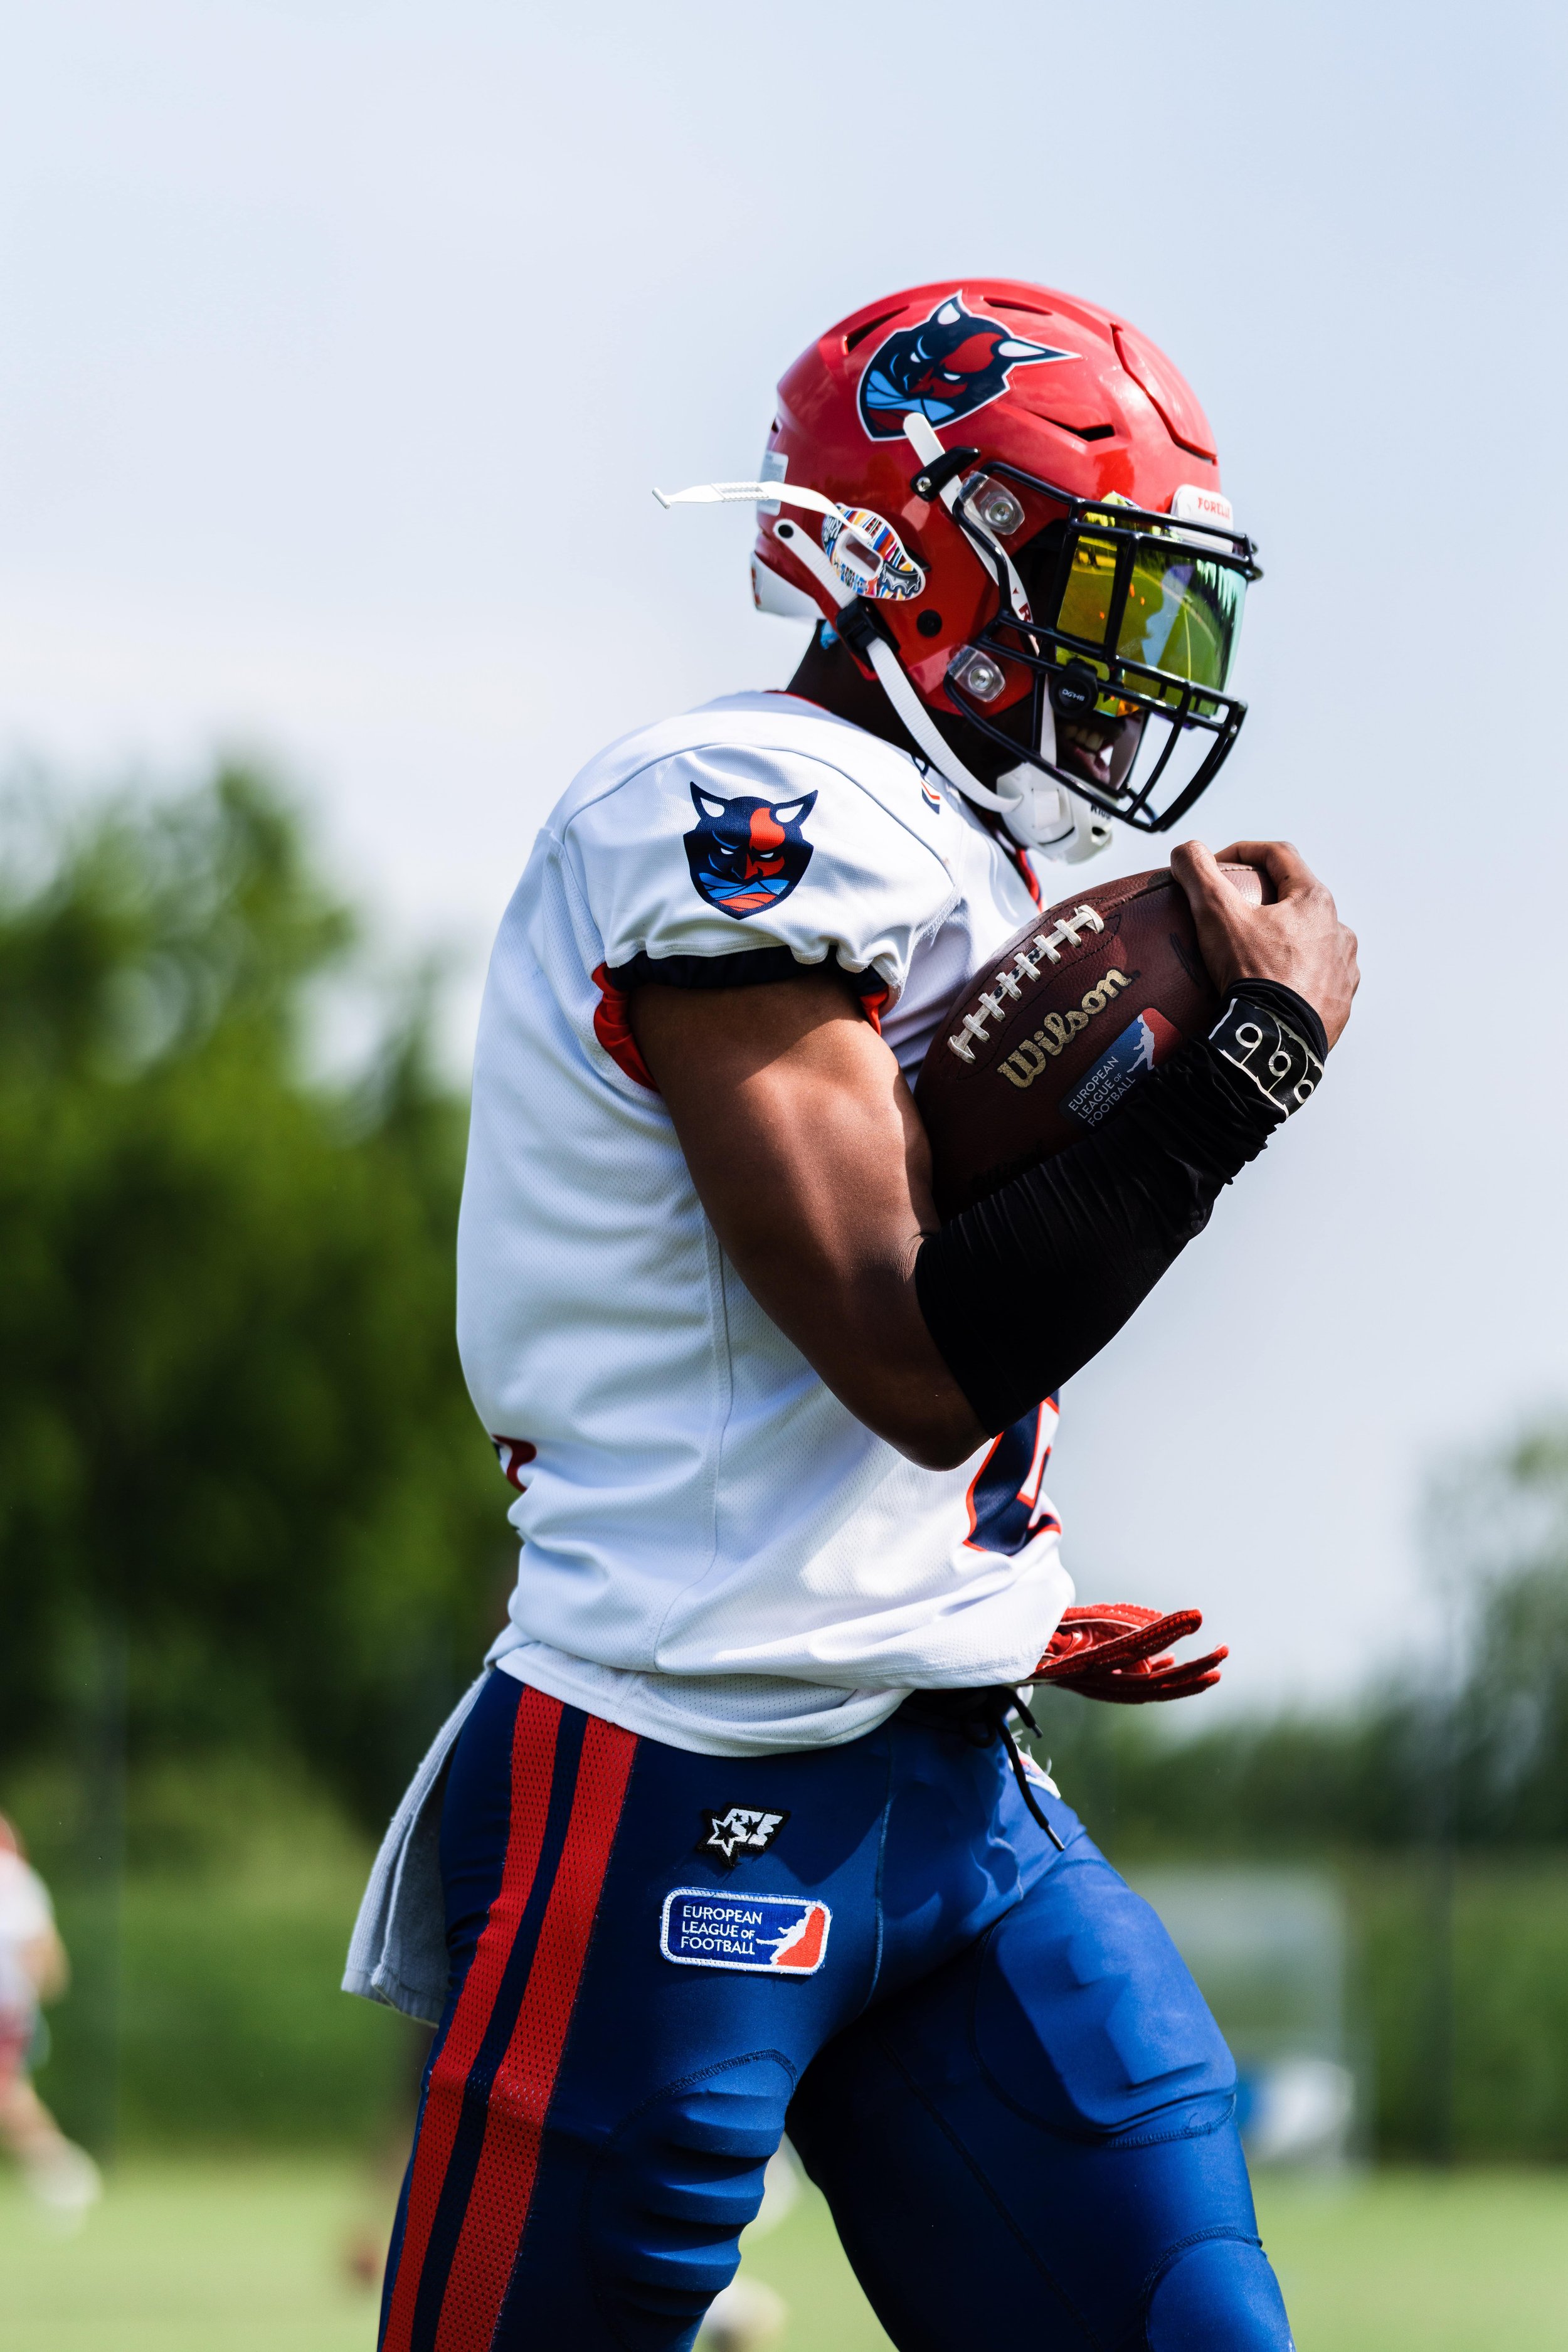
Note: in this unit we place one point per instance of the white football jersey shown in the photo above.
(717, 1553)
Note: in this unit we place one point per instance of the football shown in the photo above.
(1049, 1036)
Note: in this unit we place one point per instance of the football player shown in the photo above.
(33, 1970)
(732, 1837)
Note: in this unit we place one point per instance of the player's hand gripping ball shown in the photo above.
(1051, 1035)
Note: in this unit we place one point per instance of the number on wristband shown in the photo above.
(1280, 1065)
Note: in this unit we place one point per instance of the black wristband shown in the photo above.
(1275, 1038)
(1021, 1290)
(1304, 1018)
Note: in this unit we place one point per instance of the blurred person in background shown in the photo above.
(33, 1969)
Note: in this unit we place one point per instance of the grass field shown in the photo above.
(231, 2257)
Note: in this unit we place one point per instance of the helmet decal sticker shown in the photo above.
(950, 364)
(868, 555)
(747, 854)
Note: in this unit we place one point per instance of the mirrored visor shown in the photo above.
(1182, 613)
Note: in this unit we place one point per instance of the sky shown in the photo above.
(344, 342)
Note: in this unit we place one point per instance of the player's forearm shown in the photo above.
(1024, 1288)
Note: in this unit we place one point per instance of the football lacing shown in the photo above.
(1048, 944)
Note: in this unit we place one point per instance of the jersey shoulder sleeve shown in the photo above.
(726, 849)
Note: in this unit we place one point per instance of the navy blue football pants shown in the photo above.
(988, 2053)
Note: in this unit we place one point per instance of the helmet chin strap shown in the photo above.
(917, 433)
(1061, 825)
(892, 678)
(1042, 815)
(1038, 813)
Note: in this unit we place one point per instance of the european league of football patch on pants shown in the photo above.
(988, 2054)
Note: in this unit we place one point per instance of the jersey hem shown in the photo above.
(638, 1708)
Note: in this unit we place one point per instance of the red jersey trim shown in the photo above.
(614, 1030)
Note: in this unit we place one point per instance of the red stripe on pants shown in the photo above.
(533, 1769)
(520, 2097)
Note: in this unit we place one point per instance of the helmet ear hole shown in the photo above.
(929, 624)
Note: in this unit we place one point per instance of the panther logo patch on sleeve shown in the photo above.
(747, 854)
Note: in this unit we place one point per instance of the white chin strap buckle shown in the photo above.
(1047, 816)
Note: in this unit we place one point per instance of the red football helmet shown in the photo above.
(1006, 501)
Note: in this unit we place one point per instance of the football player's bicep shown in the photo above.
(810, 1160)
(795, 1124)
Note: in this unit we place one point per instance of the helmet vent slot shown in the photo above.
(1084, 431)
(858, 334)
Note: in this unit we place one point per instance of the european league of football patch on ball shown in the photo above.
(703, 1929)
(1143, 1045)
(1280, 1064)
(740, 1830)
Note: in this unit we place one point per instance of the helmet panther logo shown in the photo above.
(747, 854)
(950, 364)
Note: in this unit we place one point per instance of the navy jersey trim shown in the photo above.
(748, 967)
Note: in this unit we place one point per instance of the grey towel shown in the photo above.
(397, 1953)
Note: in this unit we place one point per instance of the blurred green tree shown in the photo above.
(1506, 1525)
(233, 1429)
(1468, 1741)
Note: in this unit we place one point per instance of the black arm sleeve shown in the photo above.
(1021, 1290)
